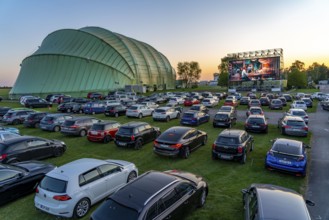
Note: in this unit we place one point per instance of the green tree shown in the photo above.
(299, 65)
(189, 72)
(297, 78)
(317, 72)
(223, 74)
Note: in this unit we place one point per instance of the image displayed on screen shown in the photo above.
(254, 69)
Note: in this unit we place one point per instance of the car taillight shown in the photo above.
(74, 126)
(240, 149)
(132, 137)
(155, 143)
(176, 146)
(37, 190)
(286, 126)
(62, 197)
(3, 156)
(305, 128)
(213, 146)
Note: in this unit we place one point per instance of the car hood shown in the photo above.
(186, 175)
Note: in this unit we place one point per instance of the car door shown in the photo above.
(114, 176)
(188, 139)
(39, 148)
(12, 185)
(18, 152)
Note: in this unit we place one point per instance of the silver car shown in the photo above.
(139, 111)
(165, 114)
(298, 112)
(292, 125)
(71, 189)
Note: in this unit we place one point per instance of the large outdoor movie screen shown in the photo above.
(254, 69)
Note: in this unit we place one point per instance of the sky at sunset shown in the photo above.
(183, 30)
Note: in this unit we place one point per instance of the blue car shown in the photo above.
(9, 129)
(194, 118)
(288, 156)
(94, 108)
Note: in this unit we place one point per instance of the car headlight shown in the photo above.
(62, 142)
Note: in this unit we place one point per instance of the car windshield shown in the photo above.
(159, 110)
(256, 120)
(225, 109)
(53, 185)
(287, 149)
(296, 123)
(221, 116)
(195, 108)
(114, 210)
(255, 111)
(227, 140)
(299, 113)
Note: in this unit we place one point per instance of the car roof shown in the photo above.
(223, 113)
(290, 142)
(276, 200)
(19, 139)
(256, 116)
(134, 124)
(105, 122)
(297, 110)
(295, 118)
(232, 132)
(165, 107)
(137, 193)
(80, 118)
(179, 129)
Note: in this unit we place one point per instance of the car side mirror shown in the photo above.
(309, 202)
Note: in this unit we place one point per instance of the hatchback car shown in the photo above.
(155, 195)
(66, 107)
(179, 141)
(139, 111)
(265, 201)
(37, 103)
(71, 189)
(18, 179)
(230, 102)
(308, 102)
(288, 156)
(103, 131)
(194, 118)
(29, 148)
(78, 126)
(276, 104)
(53, 122)
(298, 112)
(254, 103)
(244, 100)
(233, 144)
(256, 123)
(115, 110)
(293, 125)
(264, 101)
(226, 119)
(33, 120)
(165, 114)
(299, 104)
(136, 134)
(200, 108)
(255, 111)
(283, 100)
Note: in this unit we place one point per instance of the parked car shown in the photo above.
(233, 144)
(176, 100)
(264, 101)
(200, 108)
(78, 108)
(226, 119)
(191, 101)
(23, 99)
(176, 193)
(94, 108)
(16, 117)
(299, 104)
(228, 109)
(298, 112)
(256, 123)
(254, 103)
(94, 95)
(254, 111)
(66, 107)
(103, 131)
(209, 102)
(165, 114)
(179, 141)
(80, 100)
(53, 122)
(78, 126)
(293, 125)
(176, 107)
(244, 100)
(150, 104)
(288, 97)
(6, 135)
(283, 100)
(115, 110)
(10, 129)
(139, 111)
(19, 179)
(270, 96)
(136, 134)
(3, 111)
(308, 102)
(73, 188)
(276, 104)
(230, 102)
(29, 148)
(194, 118)
(325, 104)
(265, 201)
(33, 120)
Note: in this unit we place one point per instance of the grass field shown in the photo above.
(225, 178)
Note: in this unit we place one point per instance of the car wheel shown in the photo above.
(107, 139)
(204, 141)
(167, 118)
(203, 198)
(80, 111)
(116, 115)
(82, 133)
(57, 128)
(93, 113)
(138, 144)
(16, 122)
(132, 175)
(58, 152)
(178, 116)
(68, 110)
(140, 116)
(243, 159)
(186, 152)
(37, 125)
(82, 208)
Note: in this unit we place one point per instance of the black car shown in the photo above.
(18, 179)
(308, 102)
(283, 100)
(265, 201)
(80, 100)
(226, 119)
(33, 119)
(136, 134)
(3, 111)
(264, 101)
(179, 141)
(29, 148)
(244, 100)
(115, 110)
(276, 104)
(155, 195)
(256, 123)
(199, 108)
(66, 107)
(232, 144)
(288, 97)
(37, 103)
(78, 126)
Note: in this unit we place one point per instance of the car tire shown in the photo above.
(16, 122)
(68, 110)
(167, 118)
(81, 208)
(107, 139)
(57, 128)
(203, 198)
(132, 175)
(116, 115)
(244, 158)
(204, 141)
(82, 133)
(37, 125)
(80, 111)
(140, 116)
(138, 144)
(178, 116)
(186, 152)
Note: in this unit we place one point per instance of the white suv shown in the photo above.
(70, 190)
(165, 114)
(139, 111)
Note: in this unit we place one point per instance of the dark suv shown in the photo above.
(135, 134)
(78, 126)
(226, 119)
(232, 144)
(155, 195)
(115, 110)
(66, 107)
(33, 120)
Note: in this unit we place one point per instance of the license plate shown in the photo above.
(93, 132)
(285, 162)
(121, 143)
(226, 157)
(255, 126)
(219, 123)
(44, 207)
(163, 145)
(42, 127)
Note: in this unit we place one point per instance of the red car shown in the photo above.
(103, 131)
(230, 102)
(191, 101)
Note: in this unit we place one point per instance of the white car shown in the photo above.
(298, 112)
(209, 102)
(299, 104)
(24, 98)
(71, 189)
(165, 114)
(150, 104)
(139, 111)
(176, 100)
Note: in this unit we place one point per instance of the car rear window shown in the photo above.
(97, 127)
(195, 108)
(228, 100)
(295, 123)
(298, 113)
(114, 210)
(53, 185)
(48, 118)
(221, 116)
(227, 140)
(287, 149)
(125, 130)
(188, 115)
(133, 108)
(159, 110)
(256, 111)
(256, 120)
